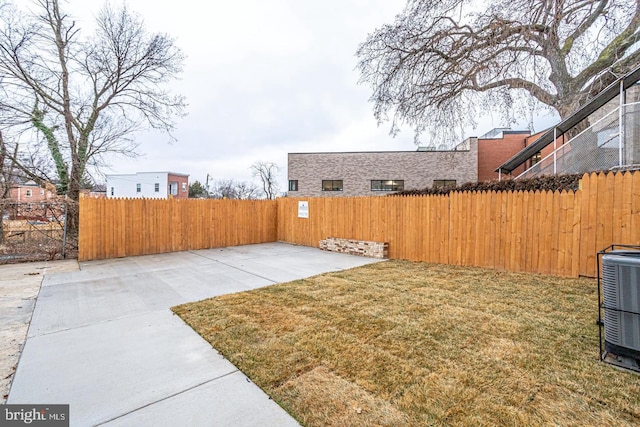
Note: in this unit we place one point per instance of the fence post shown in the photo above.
(64, 231)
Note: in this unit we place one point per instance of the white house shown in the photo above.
(149, 185)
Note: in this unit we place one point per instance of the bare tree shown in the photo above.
(441, 62)
(232, 189)
(7, 174)
(268, 174)
(84, 96)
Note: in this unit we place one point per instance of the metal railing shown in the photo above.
(611, 143)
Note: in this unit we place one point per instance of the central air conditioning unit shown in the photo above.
(621, 307)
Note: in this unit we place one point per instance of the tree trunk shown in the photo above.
(73, 215)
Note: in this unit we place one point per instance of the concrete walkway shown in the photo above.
(103, 339)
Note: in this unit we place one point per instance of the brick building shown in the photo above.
(380, 172)
(149, 185)
(384, 172)
(30, 192)
(498, 146)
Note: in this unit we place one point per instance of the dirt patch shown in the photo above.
(19, 288)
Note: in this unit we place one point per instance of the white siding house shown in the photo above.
(148, 185)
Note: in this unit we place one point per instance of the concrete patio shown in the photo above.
(104, 340)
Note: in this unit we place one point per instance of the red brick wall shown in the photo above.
(183, 191)
(546, 150)
(494, 152)
(37, 194)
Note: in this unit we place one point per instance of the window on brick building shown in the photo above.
(331, 185)
(536, 158)
(29, 193)
(293, 185)
(184, 186)
(387, 185)
(444, 183)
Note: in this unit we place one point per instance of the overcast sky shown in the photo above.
(264, 78)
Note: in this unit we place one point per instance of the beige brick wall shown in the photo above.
(369, 249)
(418, 169)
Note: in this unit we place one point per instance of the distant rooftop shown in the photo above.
(497, 133)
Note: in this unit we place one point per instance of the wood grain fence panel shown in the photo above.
(555, 225)
(445, 204)
(476, 230)
(576, 233)
(509, 230)
(454, 229)
(565, 234)
(573, 242)
(495, 229)
(516, 235)
(624, 200)
(589, 225)
(545, 235)
(410, 211)
(524, 230)
(482, 227)
(441, 211)
(513, 234)
(471, 225)
(605, 211)
(618, 208)
(536, 231)
(124, 227)
(433, 238)
(464, 228)
(502, 239)
(634, 238)
(423, 228)
(543, 232)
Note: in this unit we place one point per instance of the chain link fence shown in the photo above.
(37, 231)
(611, 143)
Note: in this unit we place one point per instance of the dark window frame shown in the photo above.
(334, 186)
(444, 183)
(293, 185)
(387, 184)
(536, 158)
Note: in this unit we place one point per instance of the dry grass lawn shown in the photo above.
(400, 343)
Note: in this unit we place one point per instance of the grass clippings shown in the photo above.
(400, 343)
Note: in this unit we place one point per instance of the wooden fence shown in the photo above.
(556, 233)
(111, 228)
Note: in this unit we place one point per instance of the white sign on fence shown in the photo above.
(303, 209)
